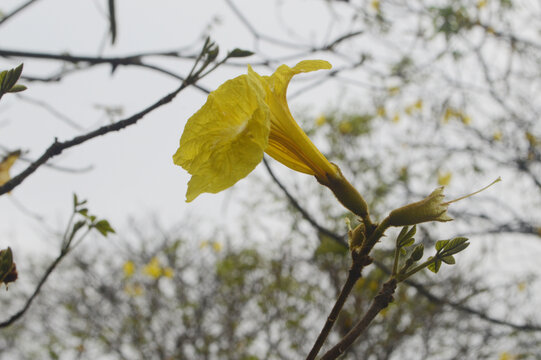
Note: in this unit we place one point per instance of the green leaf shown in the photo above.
(104, 227)
(237, 53)
(456, 245)
(450, 260)
(402, 234)
(417, 253)
(435, 266)
(77, 226)
(17, 88)
(83, 211)
(405, 238)
(6, 261)
(8, 78)
(441, 244)
(407, 242)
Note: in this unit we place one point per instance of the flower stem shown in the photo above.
(381, 301)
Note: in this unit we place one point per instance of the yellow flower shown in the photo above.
(497, 136)
(380, 111)
(128, 268)
(216, 246)
(320, 120)
(396, 118)
(6, 164)
(393, 90)
(481, 4)
(507, 356)
(134, 290)
(168, 272)
(245, 117)
(345, 127)
(153, 268)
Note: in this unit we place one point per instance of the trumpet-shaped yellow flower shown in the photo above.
(245, 117)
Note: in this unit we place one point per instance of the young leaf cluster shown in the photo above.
(88, 221)
(445, 249)
(91, 221)
(8, 81)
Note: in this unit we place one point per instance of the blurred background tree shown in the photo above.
(423, 94)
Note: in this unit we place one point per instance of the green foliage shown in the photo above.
(450, 20)
(8, 81)
(405, 238)
(91, 221)
(8, 271)
(239, 53)
(445, 249)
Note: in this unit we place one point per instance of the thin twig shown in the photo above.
(354, 274)
(44, 278)
(17, 10)
(380, 302)
(57, 147)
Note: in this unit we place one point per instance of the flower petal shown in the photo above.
(288, 143)
(224, 141)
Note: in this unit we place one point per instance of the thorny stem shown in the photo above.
(381, 301)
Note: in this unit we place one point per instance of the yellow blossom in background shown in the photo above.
(380, 111)
(521, 286)
(375, 4)
(345, 127)
(153, 268)
(393, 90)
(203, 244)
(396, 118)
(452, 113)
(128, 268)
(416, 106)
(320, 120)
(507, 356)
(168, 272)
(531, 138)
(481, 4)
(245, 117)
(134, 289)
(497, 136)
(6, 164)
(216, 246)
(447, 115)
(444, 178)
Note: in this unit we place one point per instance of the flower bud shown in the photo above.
(356, 237)
(431, 208)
